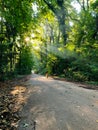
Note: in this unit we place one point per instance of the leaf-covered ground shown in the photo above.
(11, 102)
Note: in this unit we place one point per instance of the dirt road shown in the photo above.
(58, 105)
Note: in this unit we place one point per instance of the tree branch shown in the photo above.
(50, 6)
(74, 19)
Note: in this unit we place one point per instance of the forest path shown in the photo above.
(58, 105)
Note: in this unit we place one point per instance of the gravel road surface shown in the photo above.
(58, 105)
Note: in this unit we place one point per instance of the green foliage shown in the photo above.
(59, 47)
(25, 62)
(15, 21)
(82, 69)
(51, 64)
(94, 71)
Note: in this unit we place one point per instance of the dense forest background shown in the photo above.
(58, 37)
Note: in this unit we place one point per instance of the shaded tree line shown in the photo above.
(71, 46)
(15, 17)
(49, 36)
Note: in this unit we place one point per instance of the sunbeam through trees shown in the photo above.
(57, 37)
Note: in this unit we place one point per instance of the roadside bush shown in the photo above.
(82, 70)
(51, 64)
(94, 71)
(79, 76)
(25, 63)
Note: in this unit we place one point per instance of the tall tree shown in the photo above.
(15, 20)
(58, 8)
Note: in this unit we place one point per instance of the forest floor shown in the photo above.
(35, 102)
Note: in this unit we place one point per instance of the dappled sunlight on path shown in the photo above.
(58, 105)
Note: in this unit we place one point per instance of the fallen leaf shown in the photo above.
(97, 121)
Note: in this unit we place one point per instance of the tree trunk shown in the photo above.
(60, 13)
